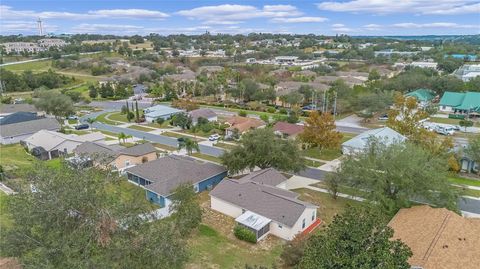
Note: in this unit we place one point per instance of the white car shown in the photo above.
(214, 137)
(72, 117)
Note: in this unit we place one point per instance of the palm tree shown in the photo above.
(189, 145)
(122, 136)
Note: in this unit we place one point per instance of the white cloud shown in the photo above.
(404, 6)
(239, 13)
(434, 25)
(337, 25)
(130, 13)
(300, 19)
(7, 12)
(341, 28)
(372, 27)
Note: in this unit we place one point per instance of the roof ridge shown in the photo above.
(293, 200)
(437, 236)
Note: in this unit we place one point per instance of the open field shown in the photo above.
(32, 66)
(118, 116)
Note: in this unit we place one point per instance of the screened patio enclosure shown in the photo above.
(255, 223)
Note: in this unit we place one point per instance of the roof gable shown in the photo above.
(385, 134)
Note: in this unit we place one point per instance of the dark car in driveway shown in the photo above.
(82, 126)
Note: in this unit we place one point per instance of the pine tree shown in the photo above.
(137, 113)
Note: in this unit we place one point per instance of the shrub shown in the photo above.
(271, 110)
(244, 234)
(160, 120)
(283, 111)
(242, 113)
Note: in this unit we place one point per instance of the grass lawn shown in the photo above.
(206, 157)
(164, 125)
(313, 163)
(108, 133)
(224, 145)
(176, 135)
(141, 128)
(5, 218)
(211, 249)
(467, 192)
(118, 116)
(464, 181)
(72, 121)
(165, 147)
(326, 154)
(347, 136)
(102, 118)
(14, 157)
(328, 207)
(34, 66)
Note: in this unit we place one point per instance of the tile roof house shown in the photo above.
(15, 132)
(242, 124)
(159, 178)
(256, 196)
(460, 102)
(360, 142)
(286, 129)
(55, 144)
(438, 238)
(119, 157)
(205, 113)
(159, 111)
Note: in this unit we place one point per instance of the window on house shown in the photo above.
(303, 224)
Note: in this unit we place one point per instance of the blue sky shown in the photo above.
(329, 17)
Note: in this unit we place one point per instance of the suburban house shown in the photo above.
(258, 203)
(423, 96)
(460, 102)
(117, 156)
(15, 132)
(159, 178)
(205, 113)
(242, 125)
(360, 142)
(159, 111)
(468, 165)
(47, 145)
(287, 130)
(438, 238)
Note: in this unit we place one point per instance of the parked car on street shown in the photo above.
(214, 137)
(444, 130)
(383, 117)
(82, 126)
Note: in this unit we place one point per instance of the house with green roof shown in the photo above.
(423, 96)
(460, 102)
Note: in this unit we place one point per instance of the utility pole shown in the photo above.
(40, 27)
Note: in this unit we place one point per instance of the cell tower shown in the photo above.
(40, 27)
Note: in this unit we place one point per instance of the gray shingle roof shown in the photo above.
(12, 108)
(269, 176)
(98, 151)
(202, 112)
(274, 203)
(29, 127)
(138, 150)
(169, 172)
(18, 117)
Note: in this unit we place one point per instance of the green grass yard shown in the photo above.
(38, 66)
(164, 147)
(464, 181)
(206, 157)
(14, 157)
(224, 145)
(103, 119)
(211, 249)
(177, 135)
(141, 128)
(118, 116)
(326, 154)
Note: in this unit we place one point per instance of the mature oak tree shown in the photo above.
(262, 148)
(85, 219)
(358, 238)
(392, 176)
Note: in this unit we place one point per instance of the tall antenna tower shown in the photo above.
(40, 27)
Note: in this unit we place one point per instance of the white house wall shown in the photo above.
(225, 208)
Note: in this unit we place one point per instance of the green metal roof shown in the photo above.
(460, 100)
(422, 95)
